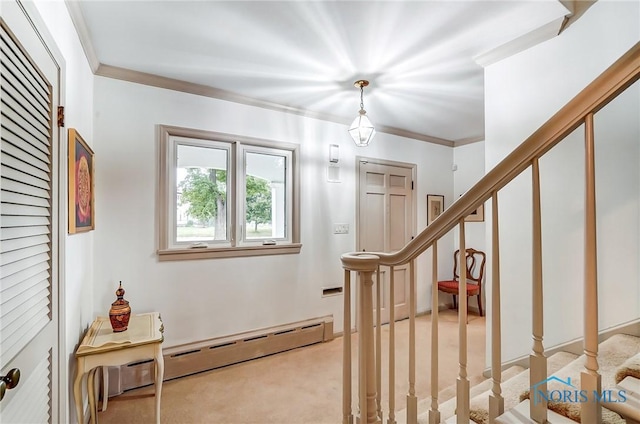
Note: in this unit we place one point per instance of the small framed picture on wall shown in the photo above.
(80, 181)
(477, 215)
(435, 206)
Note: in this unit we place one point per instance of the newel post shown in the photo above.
(347, 417)
(365, 265)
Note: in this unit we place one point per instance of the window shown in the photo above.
(224, 196)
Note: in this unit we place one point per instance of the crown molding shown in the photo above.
(216, 93)
(154, 80)
(83, 33)
(468, 140)
(517, 45)
(414, 135)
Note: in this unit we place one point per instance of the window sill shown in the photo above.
(227, 252)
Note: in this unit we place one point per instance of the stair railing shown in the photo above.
(581, 109)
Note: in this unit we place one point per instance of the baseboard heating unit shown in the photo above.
(183, 360)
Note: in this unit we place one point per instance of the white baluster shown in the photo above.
(590, 381)
(392, 348)
(537, 360)
(378, 342)
(347, 417)
(412, 400)
(434, 414)
(368, 409)
(462, 384)
(496, 401)
(363, 331)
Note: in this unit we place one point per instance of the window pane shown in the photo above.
(265, 202)
(201, 201)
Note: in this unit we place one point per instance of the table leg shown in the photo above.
(91, 391)
(159, 377)
(105, 387)
(77, 390)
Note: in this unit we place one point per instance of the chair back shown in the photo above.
(475, 261)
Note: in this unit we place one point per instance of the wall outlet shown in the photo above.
(340, 228)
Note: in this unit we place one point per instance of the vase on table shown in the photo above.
(120, 312)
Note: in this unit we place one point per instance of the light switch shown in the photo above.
(334, 153)
(340, 228)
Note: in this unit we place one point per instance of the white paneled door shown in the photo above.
(29, 229)
(385, 224)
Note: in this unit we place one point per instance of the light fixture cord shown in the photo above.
(361, 97)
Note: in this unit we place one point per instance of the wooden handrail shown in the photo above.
(617, 78)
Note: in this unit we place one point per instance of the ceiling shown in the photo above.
(421, 57)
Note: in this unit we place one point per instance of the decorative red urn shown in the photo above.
(120, 312)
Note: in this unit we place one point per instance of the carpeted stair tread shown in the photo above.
(514, 387)
(630, 408)
(629, 368)
(448, 408)
(612, 354)
(618, 355)
(449, 395)
(449, 392)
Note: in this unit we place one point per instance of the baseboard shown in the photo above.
(575, 346)
(191, 358)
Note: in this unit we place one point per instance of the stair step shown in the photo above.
(512, 388)
(447, 408)
(630, 409)
(450, 391)
(520, 415)
(612, 353)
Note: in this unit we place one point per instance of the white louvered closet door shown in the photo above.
(29, 229)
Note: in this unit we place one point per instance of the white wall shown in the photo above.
(76, 283)
(522, 92)
(469, 160)
(469, 163)
(201, 299)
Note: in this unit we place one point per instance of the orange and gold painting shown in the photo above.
(81, 175)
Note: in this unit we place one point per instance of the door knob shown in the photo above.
(9, 381)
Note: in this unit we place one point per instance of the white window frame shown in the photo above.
(243, 149)
(236, 245)
(173, 195)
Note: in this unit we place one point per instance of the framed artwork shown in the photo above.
(477, 215)
(80, 181)
(435, 206)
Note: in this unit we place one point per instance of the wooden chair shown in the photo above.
(475, 261)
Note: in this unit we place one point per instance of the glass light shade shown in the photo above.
(362, 130)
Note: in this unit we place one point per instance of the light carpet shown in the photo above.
(612, 354)
(513, 388)
(629, 368)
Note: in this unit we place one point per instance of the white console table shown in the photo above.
(102, 347)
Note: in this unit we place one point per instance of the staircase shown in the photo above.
(619, 361)
(566, 388)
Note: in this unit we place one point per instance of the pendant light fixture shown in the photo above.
(361, 129)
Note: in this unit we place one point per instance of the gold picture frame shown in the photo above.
(477, 215)
(435, 206)
(80, 184)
